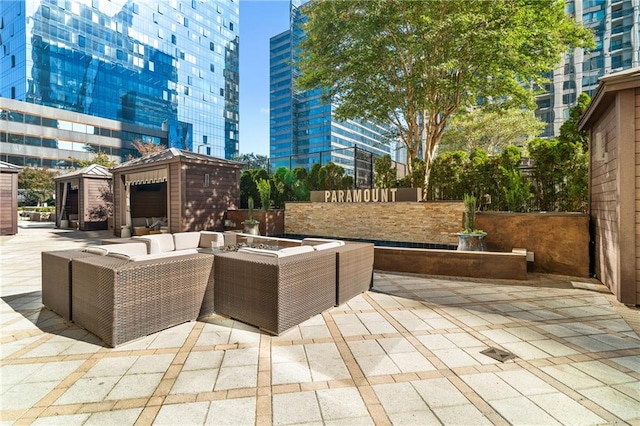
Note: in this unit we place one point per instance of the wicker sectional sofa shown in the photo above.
(122, 292)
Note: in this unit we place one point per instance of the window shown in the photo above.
(231, 26)
(173, 39)
(221, 91)
(13, 93)
(212, 47)
(13, 61)
(212, 68)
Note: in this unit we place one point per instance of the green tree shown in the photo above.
(248, 185)
(332, 176)
(385, 173)
(101, 158)
(37, 183)
(264, 189)
(253, 161)
(569, 130)
(412, 64)
(490, 130)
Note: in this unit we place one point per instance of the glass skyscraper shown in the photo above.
(166, 65)
(303, 130)
(616, 26)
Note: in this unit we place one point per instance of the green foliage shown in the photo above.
(264, 189)
(385, 173)
(515, 189)
(569, 130)
(289, 186)
(469, 213)
(248, 186)
(37, 183)
(560, 175)
(332, 176)
(251, 220)
(253, 161)
(412, 64)
(101, 158)
(489, 129)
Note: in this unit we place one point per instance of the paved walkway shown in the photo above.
(409, 352)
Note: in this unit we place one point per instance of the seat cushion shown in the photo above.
(186, 240)
(131, 249)
(325, 246)
(316, 241)
(164, 255)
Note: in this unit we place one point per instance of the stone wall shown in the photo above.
(429, 222)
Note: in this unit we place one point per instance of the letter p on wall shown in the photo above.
(327, 196)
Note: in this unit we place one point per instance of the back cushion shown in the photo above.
(186, 240)
(139, 221)
(159, 243)
(325, 246)
(208, 237)
(316, 241)
(290, 251)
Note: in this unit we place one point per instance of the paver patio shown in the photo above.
(408, 352)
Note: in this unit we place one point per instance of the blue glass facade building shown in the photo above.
(166, 65)
(303, 130)
(616, 27)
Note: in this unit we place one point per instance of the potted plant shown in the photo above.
(251, 226)
(470, 238)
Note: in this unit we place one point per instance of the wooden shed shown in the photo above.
(83, 198)
(613, 123)
(183, 190)
(9, 198)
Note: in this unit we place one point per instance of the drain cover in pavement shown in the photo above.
(498, 354)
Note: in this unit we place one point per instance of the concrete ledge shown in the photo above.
(474, 264)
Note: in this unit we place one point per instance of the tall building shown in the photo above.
(616, 26)
(303, 129)
(169, 66)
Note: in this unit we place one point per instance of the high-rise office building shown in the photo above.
(303, 129)
(169, 66)
(616, 26)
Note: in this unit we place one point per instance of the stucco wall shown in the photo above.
(430, 222)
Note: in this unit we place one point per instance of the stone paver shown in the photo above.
(407, 352)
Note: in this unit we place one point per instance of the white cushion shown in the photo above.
(209, 237)
(186, 240)
(163, 255)
(325, 246)
(261, 252)
(290, 251)
(314, 241)
(159, 243)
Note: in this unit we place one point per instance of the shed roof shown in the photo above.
(608, 87)
(9, 168)
(173, 154)
(93, 170)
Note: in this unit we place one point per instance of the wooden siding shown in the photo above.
(9, 203)
(637, 191)
(604, 199)
(207, 200)
(92, 204)
(175, 197)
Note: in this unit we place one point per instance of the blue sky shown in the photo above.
(259, 21)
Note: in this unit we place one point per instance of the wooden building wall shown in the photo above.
(8, 203)
(604, 198)
(208, 198)
(91, 201)
(637, 191)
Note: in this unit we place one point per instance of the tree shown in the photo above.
(569, 130)
(386, 174)
(491, 130)
(253, 161)
(37, 183)
(146, 148)
(101, 158)
(413, 64)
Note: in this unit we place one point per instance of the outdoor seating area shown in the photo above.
(128, 289)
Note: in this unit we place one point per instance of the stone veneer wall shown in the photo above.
(428, 222)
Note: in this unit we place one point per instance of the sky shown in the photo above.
(259, 21)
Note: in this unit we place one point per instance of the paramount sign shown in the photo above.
(367, 195)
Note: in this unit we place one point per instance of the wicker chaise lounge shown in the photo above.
(274, 293)
(354, 270)
(120, 300)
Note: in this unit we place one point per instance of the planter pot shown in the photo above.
(471, 242)
(64, 223)
(253, 229)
